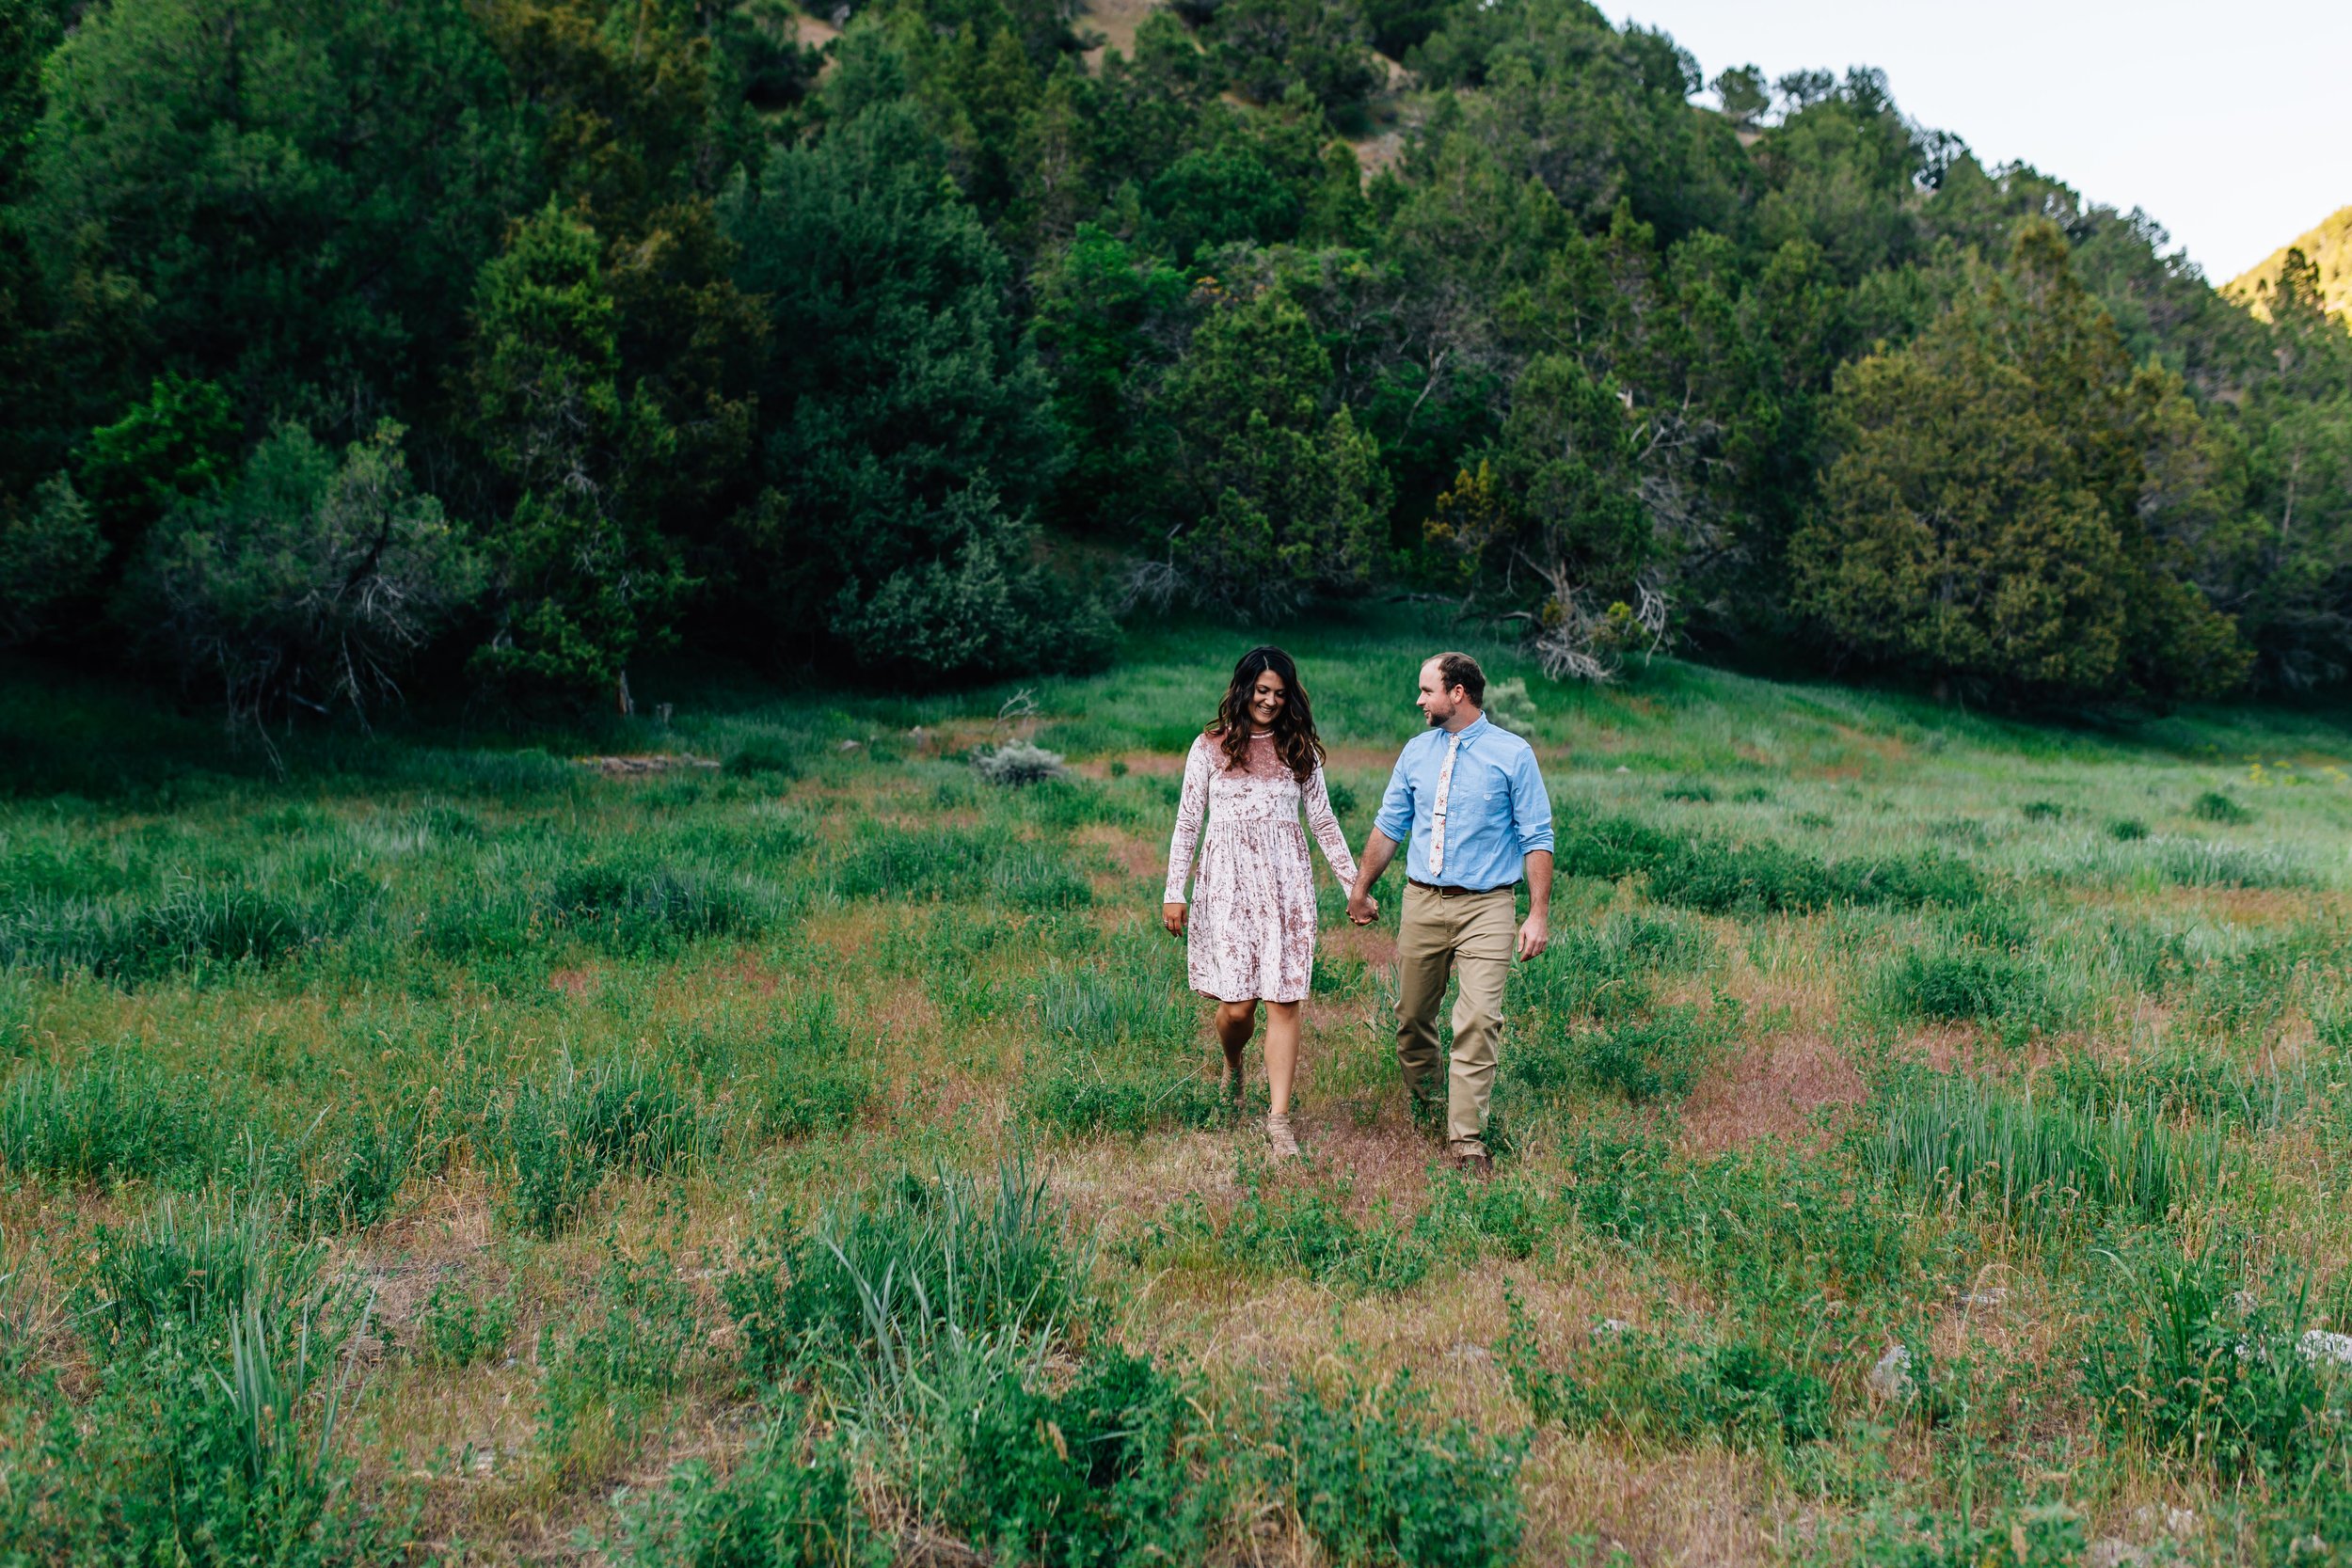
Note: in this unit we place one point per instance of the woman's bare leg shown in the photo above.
(1235, 1023)
(1281, 1053)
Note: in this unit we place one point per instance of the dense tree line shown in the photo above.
(505, 340)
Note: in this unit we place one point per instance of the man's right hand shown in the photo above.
(1361, 908)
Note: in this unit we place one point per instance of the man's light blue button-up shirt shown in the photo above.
(1496, 808)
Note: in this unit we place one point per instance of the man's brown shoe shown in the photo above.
(1473, 1162)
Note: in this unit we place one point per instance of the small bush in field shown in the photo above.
(2214, 806)
(812, 1080)
(631, 904)
(788, 1503)
(1970, 983)
(2213, 1375)
(360, 1171)
(1376, 1479)
(453, 1329)
(186, 1273)
(1019, 762)
(1654, 1058)
(770, 757)
(2127, 830)
(189, 926)
(1097, 1475)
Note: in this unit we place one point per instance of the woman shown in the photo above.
(1251, 928)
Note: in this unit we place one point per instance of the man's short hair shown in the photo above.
(1461, 669)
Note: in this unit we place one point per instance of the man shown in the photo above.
(1472, 800)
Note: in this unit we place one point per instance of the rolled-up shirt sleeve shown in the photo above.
(1531, 807)
(1396, 803)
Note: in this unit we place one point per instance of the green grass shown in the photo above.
(823, 1148)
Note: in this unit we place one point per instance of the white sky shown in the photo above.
(2231, 124)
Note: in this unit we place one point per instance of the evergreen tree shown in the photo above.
(585, 577)
(1983, 517)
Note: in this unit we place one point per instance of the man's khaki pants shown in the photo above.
(1472, 933)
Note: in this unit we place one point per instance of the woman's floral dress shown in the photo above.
(1252, 924)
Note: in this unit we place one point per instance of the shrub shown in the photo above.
(2214, 806)
(2035, 1158)
(2041, 811)
(559, 1139)
(786, 1503)
(2127, 830)
(1018, 762)
(309, 580)
(763, 756)
(1968, 982)
(1095, 1476)
(1375, 1483)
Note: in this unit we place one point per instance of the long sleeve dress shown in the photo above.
(1252, 924)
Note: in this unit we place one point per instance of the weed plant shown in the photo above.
(1965, 982)
(1663, 1390)
(455, 1329)
(1376, 1479)
(611, 1379)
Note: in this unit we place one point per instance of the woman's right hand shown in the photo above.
(1172, 916)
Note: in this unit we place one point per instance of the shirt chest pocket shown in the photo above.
(1476, 797)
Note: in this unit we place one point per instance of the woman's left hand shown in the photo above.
(1172, 916)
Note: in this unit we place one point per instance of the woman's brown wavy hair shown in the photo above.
(1295, 738)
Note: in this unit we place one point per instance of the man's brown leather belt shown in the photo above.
(1458, 891)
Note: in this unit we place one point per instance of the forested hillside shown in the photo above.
(385, 343)
(2319, 259)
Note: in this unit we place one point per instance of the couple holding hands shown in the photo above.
(1467, 798)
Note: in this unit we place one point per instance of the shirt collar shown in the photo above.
(1473, 730)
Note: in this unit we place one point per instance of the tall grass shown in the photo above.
(2033, 1159)
(109, 1121)
(560, 1139)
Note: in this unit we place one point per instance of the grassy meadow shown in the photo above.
(1926, 1142)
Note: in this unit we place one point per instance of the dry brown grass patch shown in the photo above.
(1778, 1087)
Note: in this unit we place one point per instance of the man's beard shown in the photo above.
(1437, 721)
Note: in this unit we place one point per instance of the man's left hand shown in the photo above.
(1533, 937)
